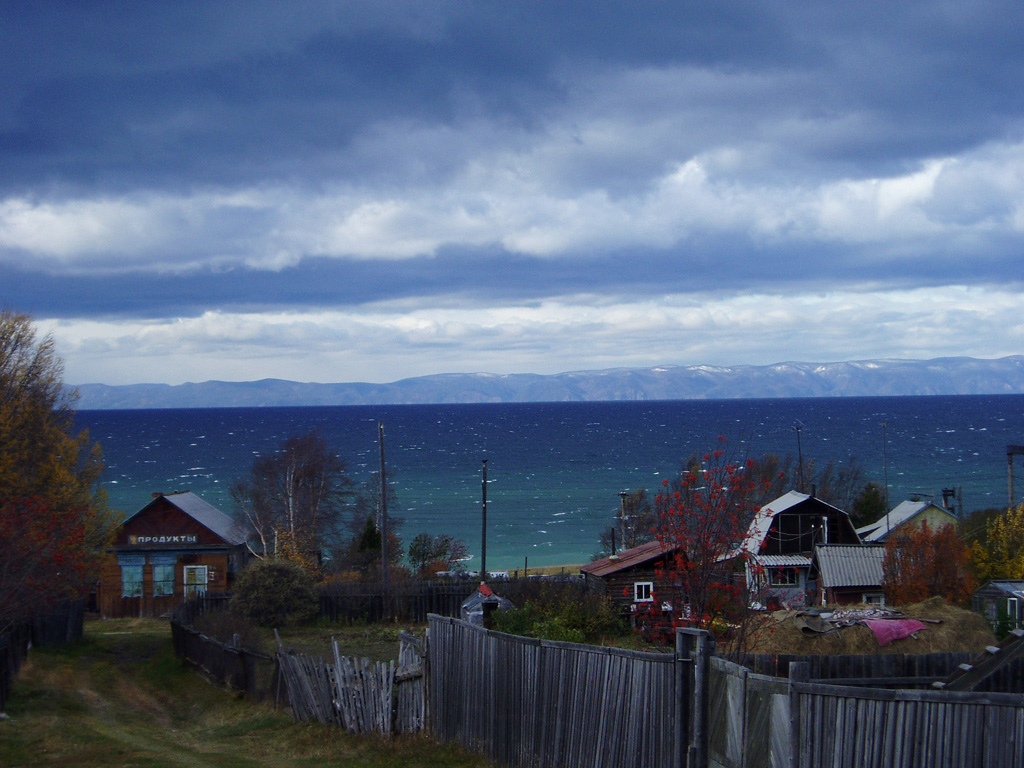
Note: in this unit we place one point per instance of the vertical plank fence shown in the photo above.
(526, 702)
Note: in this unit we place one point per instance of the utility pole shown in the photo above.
(885, 472)
(798, 428)
(483, 528)
(622, 521)
(383, 509)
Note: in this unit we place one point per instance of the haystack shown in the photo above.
(957, 630)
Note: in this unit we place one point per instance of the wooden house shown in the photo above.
(780, 542)
(631, 578)
(846, 574)
(175, 546)
(996, 599)
(907, 514)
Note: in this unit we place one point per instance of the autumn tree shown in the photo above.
(53, 515)
(430, 554)
(295, 499)
(361, 552)
(42, 456)
(704, 515)
(999, 554)
(923, 562)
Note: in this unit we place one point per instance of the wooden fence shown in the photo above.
(357, 694)
(527, 702)
(230, 665)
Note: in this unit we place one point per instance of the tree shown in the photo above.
(362, 551)
(922, 562)
(635, 524)
(703, 518)
(869, 505)
(275, 592)
(295, 499)
(1001, 553)
(46, 557)
(53, 514)
(430, 554)
(41, 456)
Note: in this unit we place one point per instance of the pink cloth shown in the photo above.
(887, 630)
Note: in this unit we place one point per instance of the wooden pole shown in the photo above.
(383, 511)
(483, 529)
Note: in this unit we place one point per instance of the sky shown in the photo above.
(367, 191)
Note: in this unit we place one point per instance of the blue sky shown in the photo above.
(365, 191)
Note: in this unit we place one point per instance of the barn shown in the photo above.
(176, 546)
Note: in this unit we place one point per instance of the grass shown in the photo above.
(120, 698)
(377, 642)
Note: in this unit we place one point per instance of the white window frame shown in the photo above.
(199, 585)
(787, 571)
(643, 588)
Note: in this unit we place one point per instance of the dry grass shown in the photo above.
(122, 699)
(960, 630)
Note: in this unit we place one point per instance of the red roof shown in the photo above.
(627, 558)
(485, 590)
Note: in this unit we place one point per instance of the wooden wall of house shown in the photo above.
(112, 605)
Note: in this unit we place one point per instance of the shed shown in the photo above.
(176, 546)
(481, 603)
(846, 574)
(996, 597)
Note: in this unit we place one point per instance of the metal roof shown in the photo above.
(627, 558)
(203, 513)
(762, 522)
(849, 565)
(782, 561)
(904, 511)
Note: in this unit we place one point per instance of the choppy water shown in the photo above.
(555, 469)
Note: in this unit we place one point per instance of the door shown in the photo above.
(195, 580)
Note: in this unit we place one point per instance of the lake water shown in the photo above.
(555, 470)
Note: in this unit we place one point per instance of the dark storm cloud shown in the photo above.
(431, 171)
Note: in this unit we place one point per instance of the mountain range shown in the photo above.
(940, 376)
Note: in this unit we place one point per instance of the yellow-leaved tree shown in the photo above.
(1001, 556)
(52, 511)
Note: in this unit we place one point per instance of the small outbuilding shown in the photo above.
(997, 599)
(176, 546)
(478, 607)
(846, 574)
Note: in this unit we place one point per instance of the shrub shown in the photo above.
(275, 593)
(562, 612)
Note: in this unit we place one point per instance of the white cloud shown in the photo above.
(393, 340)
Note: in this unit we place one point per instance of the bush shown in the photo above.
(562, 612)
(275, 593)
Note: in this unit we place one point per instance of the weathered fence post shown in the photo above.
(698, 645)
(799, 672)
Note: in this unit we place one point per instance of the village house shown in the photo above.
(908, 514)
(631, 578)
(176, 546)
(845, 574)
(780, 543)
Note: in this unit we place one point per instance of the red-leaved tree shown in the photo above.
(45, 556)
(923, 562)
(704, 516)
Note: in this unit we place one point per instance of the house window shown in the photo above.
(163, 580)
(783, 577)
(874, 598)
(1012, 611)
(131, 581)
(643, 592)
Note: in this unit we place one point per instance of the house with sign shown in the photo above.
(176, 546)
